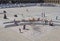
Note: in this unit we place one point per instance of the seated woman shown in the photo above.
(50, 23)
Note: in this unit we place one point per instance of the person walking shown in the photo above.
(24, 27)
(15, 22)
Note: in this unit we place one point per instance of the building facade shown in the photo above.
(52, 1)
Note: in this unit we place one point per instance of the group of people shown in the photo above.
(24, 26)
(44, 21)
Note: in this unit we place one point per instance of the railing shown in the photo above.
(28, 5)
